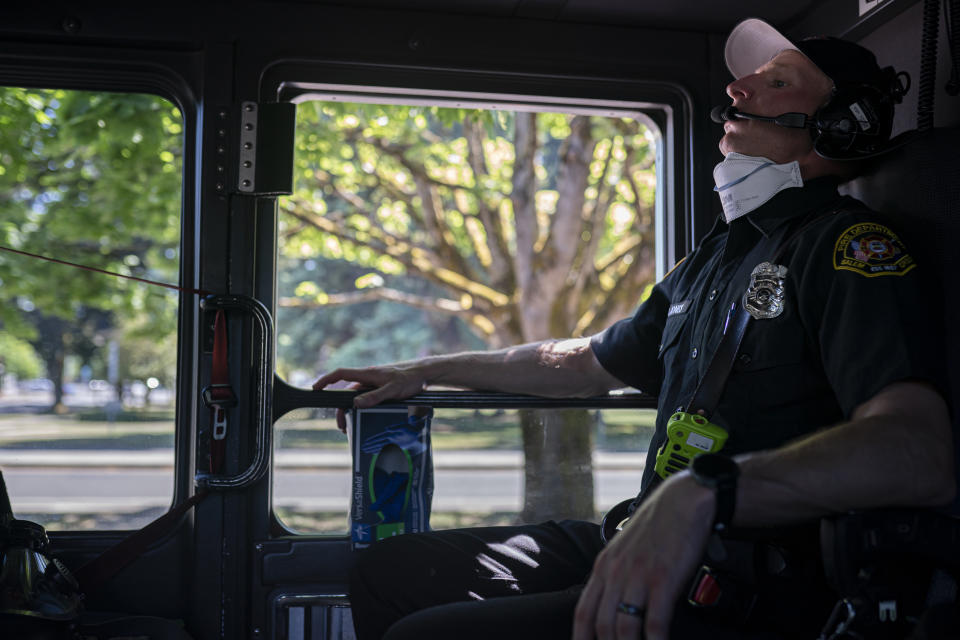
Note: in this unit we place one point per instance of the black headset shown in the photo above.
(857, 120)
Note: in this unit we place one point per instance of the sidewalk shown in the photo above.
(293, 459)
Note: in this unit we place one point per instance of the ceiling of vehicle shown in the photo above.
(699, 15)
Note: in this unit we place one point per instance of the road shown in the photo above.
(66, 481)
(487, 485)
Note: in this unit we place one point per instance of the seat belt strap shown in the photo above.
(98, 571)
(707, 395)
(219, 395)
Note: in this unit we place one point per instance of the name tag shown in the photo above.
(678, 308)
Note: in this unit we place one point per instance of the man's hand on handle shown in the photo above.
(391, 382)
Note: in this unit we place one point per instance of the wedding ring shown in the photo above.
(630, 609)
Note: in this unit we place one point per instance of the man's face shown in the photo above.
(789, 82)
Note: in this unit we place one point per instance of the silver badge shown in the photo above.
(764, 296)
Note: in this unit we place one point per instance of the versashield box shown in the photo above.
(392, 484)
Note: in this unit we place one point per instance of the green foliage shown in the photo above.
(19, 358)
(92, 178)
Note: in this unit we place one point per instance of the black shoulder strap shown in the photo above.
(707, 395)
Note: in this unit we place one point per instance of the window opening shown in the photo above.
(434, 226)
(88, 362)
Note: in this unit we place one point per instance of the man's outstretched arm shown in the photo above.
(564, 368)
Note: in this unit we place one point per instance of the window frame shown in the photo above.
(667, 105)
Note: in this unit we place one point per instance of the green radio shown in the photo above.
(688, 435)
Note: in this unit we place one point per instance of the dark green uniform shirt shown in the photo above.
(853, 321)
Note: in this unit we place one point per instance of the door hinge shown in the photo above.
(266, 148)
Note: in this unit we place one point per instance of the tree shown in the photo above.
(527, 225)
(18, 358)
(92, 178)
(143, 353)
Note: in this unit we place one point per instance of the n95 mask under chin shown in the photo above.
(746, 182)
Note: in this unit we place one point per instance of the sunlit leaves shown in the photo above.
(499, 153)
(308, 290)
(547, 202)
(553, 126)
(368, 280)
(388, 266)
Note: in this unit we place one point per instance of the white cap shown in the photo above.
(752, 44)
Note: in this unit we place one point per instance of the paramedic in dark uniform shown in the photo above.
(832, 403)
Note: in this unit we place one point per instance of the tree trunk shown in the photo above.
(558, 474)
(55, 369)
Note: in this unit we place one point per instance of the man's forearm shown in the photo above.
(550, 368)
(879, 459)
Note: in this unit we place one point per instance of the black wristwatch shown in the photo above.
(718, 472)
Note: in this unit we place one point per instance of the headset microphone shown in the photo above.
(792, 120)
(721, 113)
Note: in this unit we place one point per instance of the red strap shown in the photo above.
(220, 394)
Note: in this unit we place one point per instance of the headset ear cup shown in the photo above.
(835, 135)
(855, 123)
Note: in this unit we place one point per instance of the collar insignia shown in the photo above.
(764, 296)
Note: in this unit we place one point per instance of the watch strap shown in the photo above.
(726, 492)
(718, 472)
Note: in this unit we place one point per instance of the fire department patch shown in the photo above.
(871, 250)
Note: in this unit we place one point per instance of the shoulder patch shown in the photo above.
(871, 250)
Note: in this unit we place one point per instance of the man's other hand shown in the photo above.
(647, 565)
